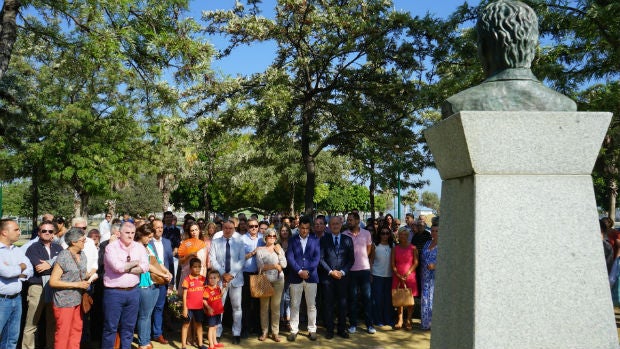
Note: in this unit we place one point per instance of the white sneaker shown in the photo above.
(352, 329)
(371, 330)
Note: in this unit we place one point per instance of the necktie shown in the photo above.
(336, 243)
(227, 262)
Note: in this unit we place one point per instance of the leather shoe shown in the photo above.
(344, 334)
(236, 340)
(312, 336)
(291, 337)
(329, 335)
(161, 340)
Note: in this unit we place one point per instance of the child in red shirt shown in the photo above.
(212, 300)
(193, 288)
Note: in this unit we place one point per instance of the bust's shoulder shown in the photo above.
(507, 95)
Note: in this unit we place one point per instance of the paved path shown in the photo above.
(385, 338)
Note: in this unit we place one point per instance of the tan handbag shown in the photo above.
(260, 287)
(157, 280)
(401, 296)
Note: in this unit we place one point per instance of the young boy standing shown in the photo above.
(193, 288)
(213, 307)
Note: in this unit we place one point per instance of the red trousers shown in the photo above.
(68, 327)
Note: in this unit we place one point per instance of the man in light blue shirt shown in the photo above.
(251, 306)
(227, 256)
(15, 268)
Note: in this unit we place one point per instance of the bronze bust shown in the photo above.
(507, 40)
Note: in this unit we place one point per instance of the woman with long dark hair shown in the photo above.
(149, 293)
(382, 278)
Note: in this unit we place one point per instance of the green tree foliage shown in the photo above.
(430, 200)
(85, 77)
(140, 197)
(606, 170)
(343, 198)
(54, 197)
(411, 198)
(384, 202)
(338, 68)
(13, 198)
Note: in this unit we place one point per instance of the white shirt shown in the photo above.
(159, 248)
(91, 253)
(104, 230)
(220, 233)
(304, 242)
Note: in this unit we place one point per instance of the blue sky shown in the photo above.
(252, 59)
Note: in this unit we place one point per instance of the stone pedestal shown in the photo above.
(521, 261)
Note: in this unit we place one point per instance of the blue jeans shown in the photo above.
(119, 314)
(148, 298)
(285, 303)
(10, 317)
(383, 311)
(158, 312)
(360, 279)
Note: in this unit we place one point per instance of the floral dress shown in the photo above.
(428, 284)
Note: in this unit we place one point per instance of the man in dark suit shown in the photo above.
(336, 260)
(303, 256)
(163, 250)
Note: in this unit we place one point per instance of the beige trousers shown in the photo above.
(36, 307)
(274, 303)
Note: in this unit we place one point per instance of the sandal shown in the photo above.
(398, 325)
(262, 337)
(408, 325)
(276, 338)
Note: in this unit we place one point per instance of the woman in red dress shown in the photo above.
(404, 261)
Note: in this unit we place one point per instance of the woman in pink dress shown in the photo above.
(404, 261)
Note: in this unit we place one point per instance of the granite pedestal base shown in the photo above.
(521, 261)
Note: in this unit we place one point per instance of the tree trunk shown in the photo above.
(165, 199)
(35, 197)
(77, 203)
(84, 198)
(291, 201)
(371, 190)
(205, 199)
(309, 162)
(613, 194)
(111, 206)
(8, 32)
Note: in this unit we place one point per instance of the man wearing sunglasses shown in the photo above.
(251, 306)
(42, 255)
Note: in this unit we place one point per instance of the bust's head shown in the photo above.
(507, 36)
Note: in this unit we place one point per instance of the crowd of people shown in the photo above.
(110, 284)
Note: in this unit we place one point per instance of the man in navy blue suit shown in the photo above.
(163, 250)
(336, 261)
(303, 256)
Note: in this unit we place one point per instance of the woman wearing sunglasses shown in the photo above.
(381, 271)
(271, 260)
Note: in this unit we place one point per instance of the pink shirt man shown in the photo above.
(360, 249)
(117, 256)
